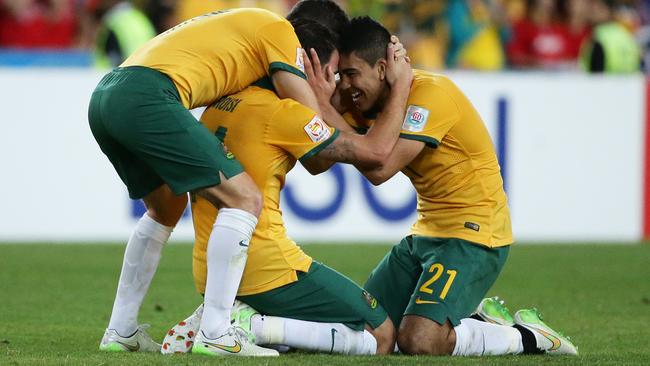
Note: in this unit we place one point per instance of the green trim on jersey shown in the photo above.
(281, 66)
(265, 83)
(429, 141)
(320, 147)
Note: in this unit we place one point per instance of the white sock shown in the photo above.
(477, 338)
(312, 336)
(227, 253)
(141, 259)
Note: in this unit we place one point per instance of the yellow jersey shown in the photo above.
(277, 132)
(457, 175)
(221, 53)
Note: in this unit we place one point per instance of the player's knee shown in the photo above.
(250, 200)
(424, 342)
(166, 209)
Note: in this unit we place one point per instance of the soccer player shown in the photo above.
(306, 304)
(139, 116)
(432, 280)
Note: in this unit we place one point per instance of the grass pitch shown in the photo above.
(55, 301)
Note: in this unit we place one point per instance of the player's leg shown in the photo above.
(164, 209)
(456, 275)
(239, 204)
(141, 257)
(323, 311)
(392, 281)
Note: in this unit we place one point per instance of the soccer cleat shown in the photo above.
(241, 315)
(234, 342)
(493, 310)
(139, 341)
(547, 339)
(180, 338)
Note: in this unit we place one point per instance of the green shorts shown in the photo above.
(437, 278)
(138, 120)
(321, 295)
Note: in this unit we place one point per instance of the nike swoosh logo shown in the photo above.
(129, 347)
(555, 340)
(420, 301)
(241, 244)
(236, 348)
(333, 333)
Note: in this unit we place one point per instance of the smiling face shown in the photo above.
(366, 84)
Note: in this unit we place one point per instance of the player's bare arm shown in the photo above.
(288, 85)
(404, 152)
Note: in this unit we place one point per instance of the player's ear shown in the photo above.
(381, 69)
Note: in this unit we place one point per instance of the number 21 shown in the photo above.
(437, 270)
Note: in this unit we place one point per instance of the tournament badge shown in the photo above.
(416, 118)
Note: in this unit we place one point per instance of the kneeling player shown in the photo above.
(307, 304)
(436, 276)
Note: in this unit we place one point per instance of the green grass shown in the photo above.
(55, 302)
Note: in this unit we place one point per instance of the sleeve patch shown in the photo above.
(416, 118)
(317, 130)
(300, 62)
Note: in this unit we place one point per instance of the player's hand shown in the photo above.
(398, 69)
(400, 50)
(322, 82)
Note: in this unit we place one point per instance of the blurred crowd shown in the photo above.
(486, 35)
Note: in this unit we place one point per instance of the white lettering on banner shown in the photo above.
(554, 178)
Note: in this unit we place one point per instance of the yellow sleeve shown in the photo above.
(279, 44)
(430, 113)
(299, 131)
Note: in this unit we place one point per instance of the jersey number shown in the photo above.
(437, 270)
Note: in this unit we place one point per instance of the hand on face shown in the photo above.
(322, 80)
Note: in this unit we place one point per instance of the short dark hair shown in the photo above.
(325, 12)
(366, 38)
(312, 34)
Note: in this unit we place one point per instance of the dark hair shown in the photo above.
(325, 12)
(366, 38)
(312, 34)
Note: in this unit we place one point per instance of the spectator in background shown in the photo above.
(576, 18)
(187, 9)
(122, 30)
(161, 13)
(477, 29)
(37, 24)
(416, 21)
(541, 39)
(612, 47)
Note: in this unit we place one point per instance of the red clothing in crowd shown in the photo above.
(543, 46)
(38, 27)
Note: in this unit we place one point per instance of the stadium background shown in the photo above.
(574, 147)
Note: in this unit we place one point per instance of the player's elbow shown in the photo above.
(375, 158)
(376, 177)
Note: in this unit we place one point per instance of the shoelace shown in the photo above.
(240, 333)
(143, 328)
